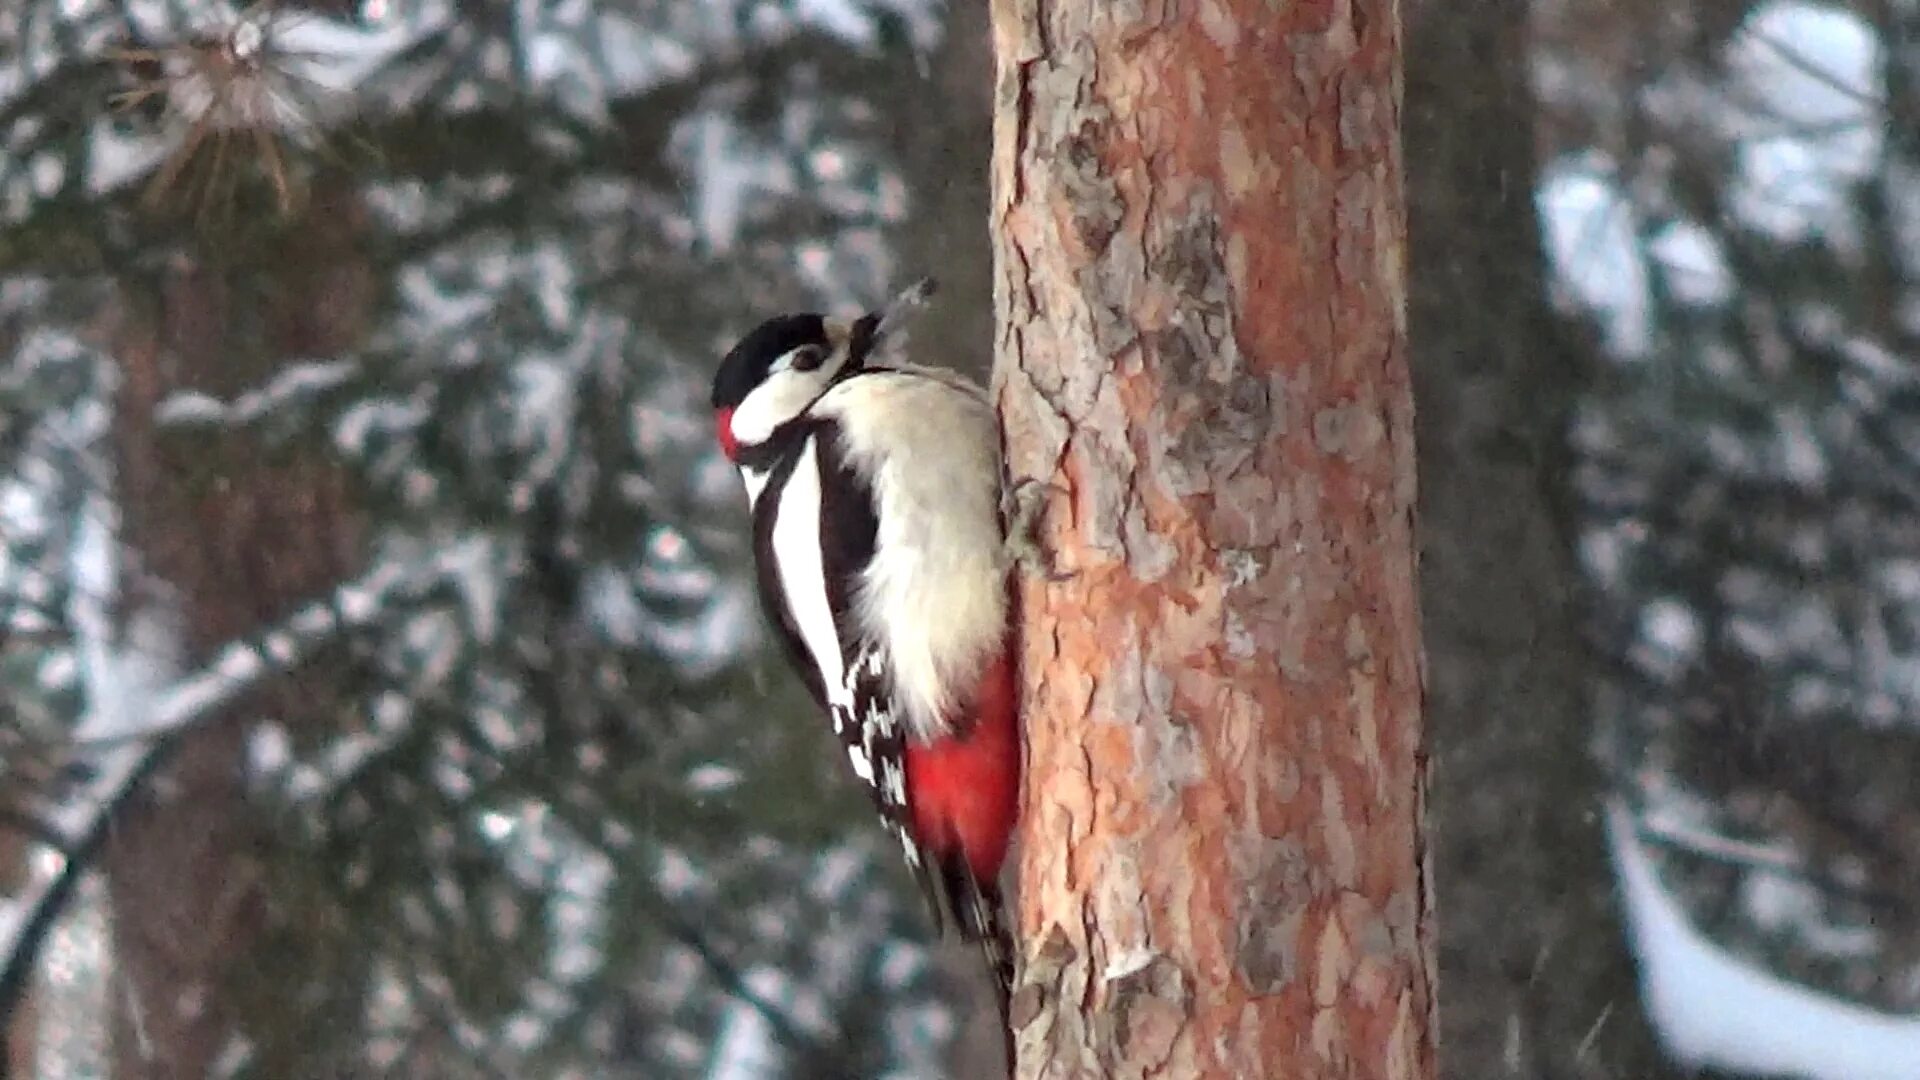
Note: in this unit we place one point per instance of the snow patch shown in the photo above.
(1696, 272)
(1810, 114)
(1592, 235)
(1711, 1009)
(745, 1048)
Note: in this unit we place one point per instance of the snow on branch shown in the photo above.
(1711, 1008)
(1660, 827)
(121, 740)
(238, 667)
(1667, 829)
(295, 382)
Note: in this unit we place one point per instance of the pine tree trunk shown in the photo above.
(231, 537)
(1200, 293)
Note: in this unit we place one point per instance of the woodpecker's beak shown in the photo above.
(870, 331)
(910, 300)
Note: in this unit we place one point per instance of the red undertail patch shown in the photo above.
(966, 789)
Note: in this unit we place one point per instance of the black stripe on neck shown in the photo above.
(781, 445)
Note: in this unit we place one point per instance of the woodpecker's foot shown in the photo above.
(1025, 507)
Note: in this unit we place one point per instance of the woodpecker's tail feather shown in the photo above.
(980, 914)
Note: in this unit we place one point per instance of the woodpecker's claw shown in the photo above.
(1024, 505)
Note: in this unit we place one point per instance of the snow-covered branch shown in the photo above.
(122, 739)
(1669, 829)
(1712, 1009)
(293, 383)
(240, 666)
(1654, 825)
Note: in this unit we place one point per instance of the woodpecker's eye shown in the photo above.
(806, 358)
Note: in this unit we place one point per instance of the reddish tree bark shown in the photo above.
(1200, 292)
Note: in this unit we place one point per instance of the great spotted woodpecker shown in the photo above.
(874, 487)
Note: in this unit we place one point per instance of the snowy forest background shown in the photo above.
(380, 691)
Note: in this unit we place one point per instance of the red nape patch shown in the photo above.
(723, 429)
(966, 790)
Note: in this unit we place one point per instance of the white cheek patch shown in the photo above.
(782, 397)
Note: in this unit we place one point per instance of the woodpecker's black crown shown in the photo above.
(747, 364)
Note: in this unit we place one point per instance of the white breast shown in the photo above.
(935, 593)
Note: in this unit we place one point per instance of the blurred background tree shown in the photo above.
(1730, 198)
(383, 694)
(1531, 954)
(380, 693)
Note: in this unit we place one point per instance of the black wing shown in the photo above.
(849, 529)
(869, 725)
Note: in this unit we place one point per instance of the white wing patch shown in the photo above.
(870, 728)
(803, 575)
(894, 781)
(858, 699)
